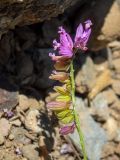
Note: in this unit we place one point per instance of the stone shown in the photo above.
(23, 102)
(8, 94)
(11, 137)
(9, 156)
(2, 139)
(116, 64)
(30, 152)
(24, 67)
(87, 75)
(108, 149)
(50, 30)
(99, 107)
(110, 96)
(16, 123)
(116, 86)
(18, 13)
(31, 121)
(4, 127)
(111, 128)
(95, 137)
(117, 138)
(19, 135)
(102, 81)
(43, 68)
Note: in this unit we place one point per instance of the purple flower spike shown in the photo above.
(67, 129)
(66, 43)
(82, 35)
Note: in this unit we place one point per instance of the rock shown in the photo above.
(16, 123)
(8, 94)
(11, 137)
(117, 151)
(34, 104)
(109, 95)
(31, 121)
(116, 64)
(4, 127)
(102, 81)
(87, 75)
(111, 127)
(5, 48)
(108, 149)
(30, 152)
(24, 68)
(29, 12)
(23, 102)
(26, 35)
(116, 86)
(50, 30)
(95, 140)
(43, 68)
(9, 156)
(99, 107)
(29, 102)
(2, 139)
(19, 135)
(117, 139)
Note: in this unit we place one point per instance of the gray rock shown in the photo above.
(95, 136)
(30, 152)
(19, 135)
(19, 13)
(87, 75)
(44, 67)
(99, 107)
(8, 94)
(24, 68)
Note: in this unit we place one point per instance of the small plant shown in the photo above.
(64, 104)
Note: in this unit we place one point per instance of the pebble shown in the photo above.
(16, 123)
(99, 107)
(23, 102)
(19, 135)
(31, 122)
(116, 63)
(4, 127)
(109, 95)
(2, 139)
(111, 128)
(11, 137)
(116, 86)
(30, 152)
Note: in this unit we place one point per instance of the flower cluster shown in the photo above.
(62, 106)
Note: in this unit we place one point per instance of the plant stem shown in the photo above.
(77, 121)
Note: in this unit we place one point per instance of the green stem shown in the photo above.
(77, 121)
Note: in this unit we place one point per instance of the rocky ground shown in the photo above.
(27, 130)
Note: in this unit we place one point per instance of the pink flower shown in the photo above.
(67, 129)
(82, 35)
(58, 105)
(65, 47)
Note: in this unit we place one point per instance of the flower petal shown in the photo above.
(55, 105)
(67, 129)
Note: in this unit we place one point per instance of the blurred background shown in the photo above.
(27, 130)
